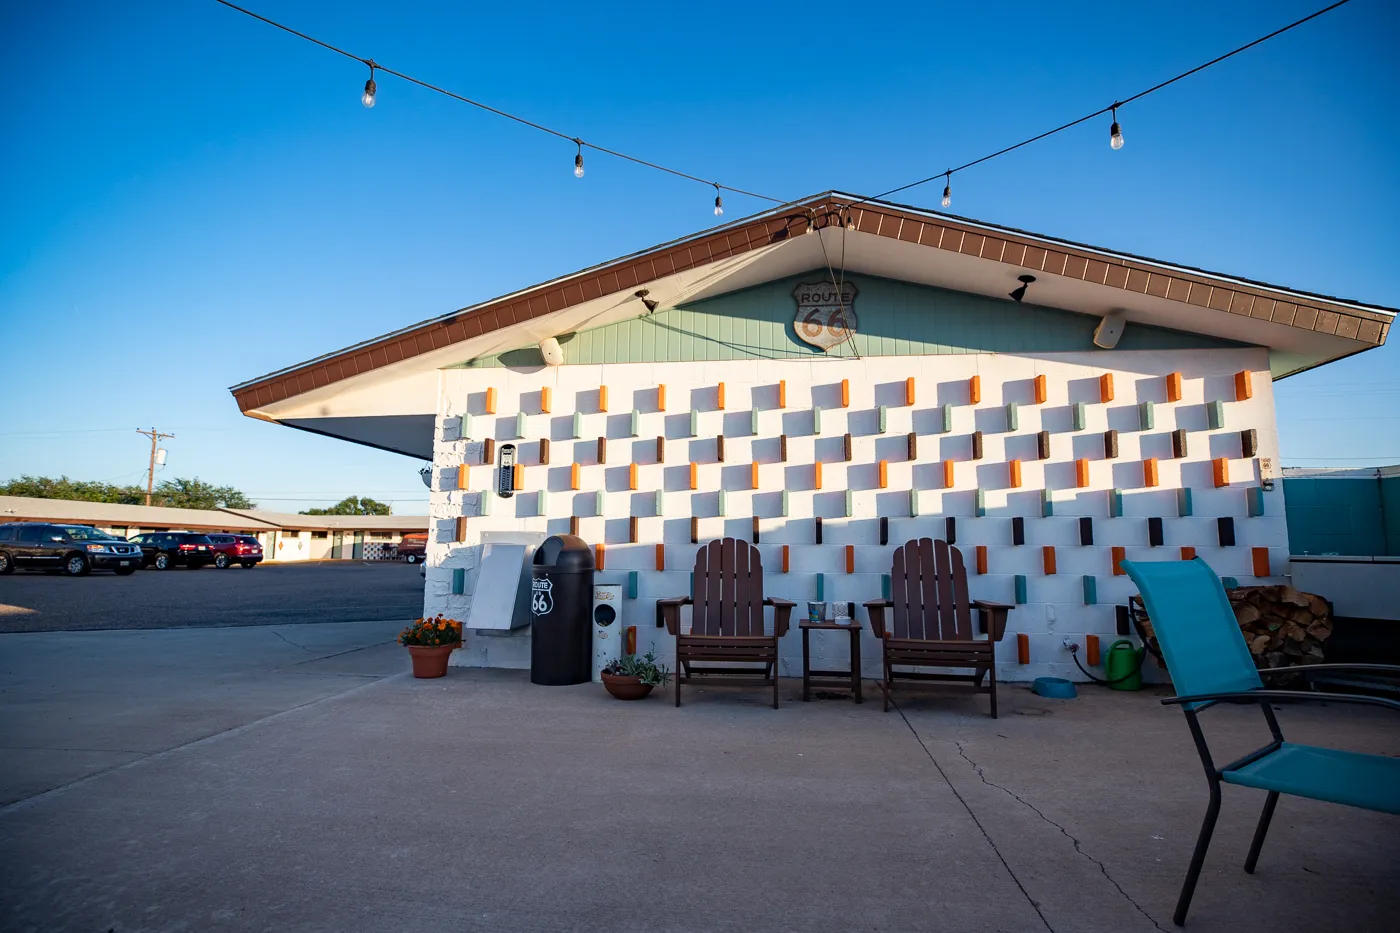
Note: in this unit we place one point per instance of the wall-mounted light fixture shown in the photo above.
(1019, 292)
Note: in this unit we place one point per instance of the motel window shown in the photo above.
(319, 534)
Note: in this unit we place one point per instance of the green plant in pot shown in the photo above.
(632, 676)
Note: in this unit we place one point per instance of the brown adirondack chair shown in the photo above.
(932, 624)
(727, 620)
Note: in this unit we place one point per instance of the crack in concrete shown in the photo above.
(1077, 847)
(288, 640)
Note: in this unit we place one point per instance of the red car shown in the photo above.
(236, 549)
(413, 547)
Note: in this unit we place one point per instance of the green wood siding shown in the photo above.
(896, 319)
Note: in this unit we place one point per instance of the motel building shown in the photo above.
(831, 379)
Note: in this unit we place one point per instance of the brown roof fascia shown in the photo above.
(936, 231)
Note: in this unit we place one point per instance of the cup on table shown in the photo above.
(816, 611)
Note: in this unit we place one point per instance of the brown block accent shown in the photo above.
(1106, 387)
(786, 560)
(600, 556)
(1173, 387)
(884, 474)
(631, 476)
(753, 475)
(1244, 388)
(463, 474)
(850, 558)
(974, 389)
(1118, 555)
(519, 480)
(817, 475)
(661, 557)
(913, 446)
(488, 451)
(981, 555)
(694, 529)
(1023, 648)
(719, 448)
(1013, 470)
(846, 448)
(782, 448)
(1041, 390)
(1047, 557)
(544, 451)
(633, 529)
(602, 450)
(1081, 473)
(909, 391)
(1220, 469)
(845, 393)
(573, 525)
(1188, 552)
(719, 396)
(460, 534)
(661, 398)
(1149, 472)
(490, 401)
(1091, 650)
(947, 474)
(660, 449)
(1260, 557)
(602, 398)
(782, 393)
(574, 476)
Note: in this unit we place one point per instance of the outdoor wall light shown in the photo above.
(651, 303)
(1019, 292)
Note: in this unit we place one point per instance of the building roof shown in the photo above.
(24, 508)
(336, 522)
(1380, 472)
(343, 393)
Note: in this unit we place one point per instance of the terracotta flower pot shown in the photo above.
(626, 688)
(431, 662)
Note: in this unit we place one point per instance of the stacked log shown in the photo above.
(1281, 625)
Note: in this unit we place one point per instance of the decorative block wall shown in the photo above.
(788, 442)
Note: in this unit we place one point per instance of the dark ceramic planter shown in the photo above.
(626, 688)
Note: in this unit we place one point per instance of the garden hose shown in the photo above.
(1074, 653)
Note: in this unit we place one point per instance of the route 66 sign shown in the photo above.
(541, 596)
(826, 314)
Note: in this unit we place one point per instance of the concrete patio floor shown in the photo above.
(295, 778)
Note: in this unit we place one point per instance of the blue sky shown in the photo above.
(191, 199)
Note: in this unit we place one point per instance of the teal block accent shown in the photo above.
(1183, 502)
(483, 502)
(692, 584)
(1013, 416)
(753, 422)
(466, 429)
(632, 584)
(636, 423)
(785, 503)
(721, 502)
(577, 430)
(1091, 591)
(913, 503)
(541, 502)
(598, 502)
(1254, 499)
(947, 425)
(850, 503)
(1115, 503)
(821, 587)
(1230, 583)
(885, 586)
(459, 581)
(1047, 503)
(520, 426)
(1215, 415)
(896, 319)
(1147, 419)
(659, 505)
(1020, 589)
(816, 419)
(1077, 413)
(884, 421)
(979, 504)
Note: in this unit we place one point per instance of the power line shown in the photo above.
(369, 102)
(1113, 108)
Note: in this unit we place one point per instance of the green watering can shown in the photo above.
(1123, 665)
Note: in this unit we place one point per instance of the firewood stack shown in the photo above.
(1281, 625)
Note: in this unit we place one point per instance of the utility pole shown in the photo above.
(155, 437)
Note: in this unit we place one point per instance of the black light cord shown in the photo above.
(376, 66)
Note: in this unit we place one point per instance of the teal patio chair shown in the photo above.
(1209, 663)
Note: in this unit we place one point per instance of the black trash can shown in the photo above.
(561, 594)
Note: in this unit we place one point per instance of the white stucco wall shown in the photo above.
(1054, 606)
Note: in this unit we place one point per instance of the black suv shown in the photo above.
(165, 549)
(73, 549)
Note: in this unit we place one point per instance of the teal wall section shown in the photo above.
(896, 319)
(1352, 515)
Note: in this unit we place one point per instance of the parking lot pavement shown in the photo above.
(272, 594)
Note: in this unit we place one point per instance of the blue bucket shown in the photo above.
(1056, 688)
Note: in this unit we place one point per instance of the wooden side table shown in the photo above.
(840, 680)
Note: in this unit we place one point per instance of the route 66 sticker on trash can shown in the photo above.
(541, 596)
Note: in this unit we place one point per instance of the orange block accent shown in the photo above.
(461, 528)
(661, 398)
(546, 400)
(851, 558)
(1173, 387)
(782, 393)
(490, 401)
(981, 558)
(909, 391)
(1013, 469)
(519, 478)
(947, 474)
(631, 476)
(1106, 387)
(1188, 552)
(817, 475)
(1220, 468)
(661, 557)
(884, 474)
(1041, 392)
(462, 472)
(1091, 650)
(1023, 648)
(753, 475)
(574, 472)
(631, 647)
(1047, 554)
(599, 552)
(1118, 555)
(1149, 471)
(1260, 556)
(974, 389)
(719, 395)
(694, 475)
(1244, 388)
(1081, 473)
(845, 393)
(602, 398)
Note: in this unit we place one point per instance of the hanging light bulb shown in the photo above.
(1115, 132)
(368, 97)
(811, 223)
(850, 221)
(719, 202)
(947, 189)
(578, 161)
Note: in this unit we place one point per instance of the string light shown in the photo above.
(947, 189)
(1115, 132)
(719, 202)
(578, 160)
(368, 97)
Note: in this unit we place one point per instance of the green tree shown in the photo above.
(197, 494)
(352, 505)
(46, 487)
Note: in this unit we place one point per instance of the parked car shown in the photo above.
(165, 549)
(72, 549)
(414, 546)
(236, 549)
